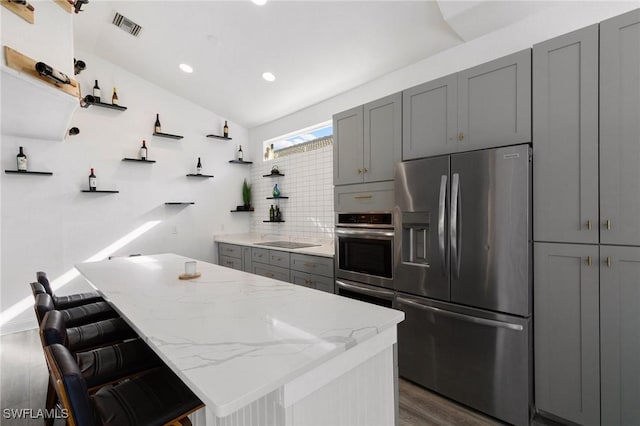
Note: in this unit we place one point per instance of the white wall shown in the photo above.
(308, 182)
(48, 224)
(558, 19)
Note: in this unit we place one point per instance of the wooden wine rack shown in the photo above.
(24, 11)
(26, 65)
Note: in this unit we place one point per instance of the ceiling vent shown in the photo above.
(127, 25)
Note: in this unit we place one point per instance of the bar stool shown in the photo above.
(153, 398)
(63, 302)
(78, 315)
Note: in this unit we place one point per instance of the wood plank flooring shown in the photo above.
(23, 382)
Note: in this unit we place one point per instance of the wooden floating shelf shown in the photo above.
(68, 7)
(220, 137)
(24, 64)
(167, 135)
(243, 211)
(240, 162)
(28, 172)
(178, 203)
(108, 106)
(273, 221)
(138, 160)
(101, 191)
(277, 198)
(200, 176)
(274, 175)
(25, 11)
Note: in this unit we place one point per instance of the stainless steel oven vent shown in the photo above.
(127, 25)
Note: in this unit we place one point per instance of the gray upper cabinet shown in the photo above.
(494, 103)
(348, 146)
(620, 335)
(429, 118)
(620, 129)
(382, 138)
(368, 141)
(483, 107)
(565, 138)
(567, 343)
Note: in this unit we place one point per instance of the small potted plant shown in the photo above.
(246, 197)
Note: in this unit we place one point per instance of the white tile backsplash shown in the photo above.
(308, 182)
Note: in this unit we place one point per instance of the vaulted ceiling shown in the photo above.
(316, 49)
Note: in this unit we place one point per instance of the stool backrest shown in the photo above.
(69, 384)
(42, 279)
(44, 304)
(53, 330)
(37, 288)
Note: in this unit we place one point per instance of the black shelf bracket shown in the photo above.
(167, 135)
(178, 203)
(273, 221)
(219, 137)
(240, 162)
(274, 175)
(199, 176)
(277, 198)
(100, 191)
(138, 160)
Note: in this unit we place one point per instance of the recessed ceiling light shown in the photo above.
(186, 68)
(259, 2)
(268, 76)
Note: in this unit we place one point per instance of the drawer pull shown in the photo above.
(269, 274)
(308, 282)
(309, 265)
(362, 197)
(607, 224)
(608, 262)
(589, 225)
(229, 262)
(229, 250)
(589, 261)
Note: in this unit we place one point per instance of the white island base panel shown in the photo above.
(359, 387)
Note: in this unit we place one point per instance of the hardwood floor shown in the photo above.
(23, 381)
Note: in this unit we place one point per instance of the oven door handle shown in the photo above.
(383, 294)
(373, 233)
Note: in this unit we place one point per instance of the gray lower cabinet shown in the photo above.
(367, 141)
(620, 129)
(620, 335)
(313, 271)
(567, 346)
(231, 256)
(271, 271)
(231, 262)
(565, 138)
(482, 107)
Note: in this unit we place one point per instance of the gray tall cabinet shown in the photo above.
(586, 137)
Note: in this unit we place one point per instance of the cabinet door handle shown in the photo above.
(359, 171)
(269, 274)
(460, 136)
(607, 224)
(310, 265)
(608, 261)
(308, 282)
(229, 250)
(362, 197)
(365, 170)
(589, 261)
(589, 225)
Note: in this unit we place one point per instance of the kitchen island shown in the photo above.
(258, 351)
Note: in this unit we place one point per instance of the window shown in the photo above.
(304, 140)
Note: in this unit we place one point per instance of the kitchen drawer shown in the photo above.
(317, 282)
(230, 250)
(279, 258)
(231, 262)
(312, 264)
(271, 271)
(364, 197)
(260, 255)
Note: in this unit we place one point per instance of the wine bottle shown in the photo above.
(276, 191)
(277, 215)
(225, 130)
(114, 97)
(199, 167)
(22, 161)
(92, 181)
(96, 91)
(272, 213)
(143, 150)
(240, 153)
(158, 128)
(52, 74)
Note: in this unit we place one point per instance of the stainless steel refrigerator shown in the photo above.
(463, 273)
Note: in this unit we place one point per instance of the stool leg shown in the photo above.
(50, 404)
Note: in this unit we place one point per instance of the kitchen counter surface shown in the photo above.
(325, 248)
(232, 336)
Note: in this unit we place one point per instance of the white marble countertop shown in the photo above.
(231, 336)
(325, 247)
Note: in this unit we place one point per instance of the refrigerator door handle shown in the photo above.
(475, 320)
(456, 232)
(441, 222)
